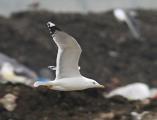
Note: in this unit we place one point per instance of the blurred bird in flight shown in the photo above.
(128, 17)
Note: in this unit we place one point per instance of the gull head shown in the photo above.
(50, 24)
(52, 28)
(94, 84)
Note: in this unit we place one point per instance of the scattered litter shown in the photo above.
(8, 74)
(146, 115)
(113, 54)
(135, 91)
(18, 68)
(150, 116)
(138, 116)
(153, 93)
(14, 72)
(9, 102)
(108, 116)
(120, 14)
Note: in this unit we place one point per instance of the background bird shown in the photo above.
(128, 17)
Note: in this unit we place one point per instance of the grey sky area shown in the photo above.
(9, 6)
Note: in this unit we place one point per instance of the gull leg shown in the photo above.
(43, 83)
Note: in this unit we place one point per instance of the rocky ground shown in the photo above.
(110, 55)
(43, 104)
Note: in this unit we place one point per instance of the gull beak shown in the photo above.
(101, 86)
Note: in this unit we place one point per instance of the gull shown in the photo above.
(68, 77)
(128, 17)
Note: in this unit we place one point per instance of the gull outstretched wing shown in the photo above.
(68, 53)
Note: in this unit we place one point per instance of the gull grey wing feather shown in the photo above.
(68, 55)
(133, 25)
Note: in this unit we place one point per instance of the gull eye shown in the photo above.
(94, 83)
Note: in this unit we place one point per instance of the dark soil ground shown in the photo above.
(110, 54)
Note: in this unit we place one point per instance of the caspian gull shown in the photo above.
(68, 77)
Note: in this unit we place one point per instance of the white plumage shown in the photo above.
(68, 76)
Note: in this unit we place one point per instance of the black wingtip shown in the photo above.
(52, 27)
(50, 24)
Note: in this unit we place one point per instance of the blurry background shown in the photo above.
(117, 51)
(83, 6)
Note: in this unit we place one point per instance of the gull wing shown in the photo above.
(126, 16)
(133, 26)
(68, 53)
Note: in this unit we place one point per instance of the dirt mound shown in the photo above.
(42, 104)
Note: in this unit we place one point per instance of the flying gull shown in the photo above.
(68, 77)
(129, 18)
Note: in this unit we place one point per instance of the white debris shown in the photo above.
(113, 53)
(18, 68)
(8, 74)
(135, 91)
(120, 14)
(153, 92)
(146, 115)
(9, 102)
(138, 116)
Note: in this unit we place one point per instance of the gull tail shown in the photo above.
(40, 83)
(52, 27)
